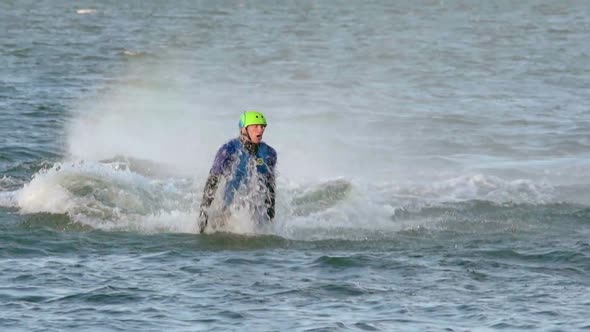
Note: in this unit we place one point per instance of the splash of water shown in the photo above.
(118, 195)
(142, 150)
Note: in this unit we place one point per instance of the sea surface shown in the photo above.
(433, 165)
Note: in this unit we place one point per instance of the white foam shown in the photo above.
(85, 11)
(44, 194)
(130, 53)
(171, 221)
(490, 188)
(8, 199)
(347, 217)
(240, 222)
(7, 182)
(106, 196)
(110, 196)
(174, 221)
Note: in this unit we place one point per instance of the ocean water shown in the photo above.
(434, 165)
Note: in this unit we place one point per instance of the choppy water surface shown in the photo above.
(433, 161)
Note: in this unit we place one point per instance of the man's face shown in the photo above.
(255, 133)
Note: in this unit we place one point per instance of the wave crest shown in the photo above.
(136, 195)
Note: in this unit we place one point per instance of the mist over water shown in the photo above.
(433, 165)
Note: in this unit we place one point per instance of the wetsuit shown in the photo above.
(233, 163)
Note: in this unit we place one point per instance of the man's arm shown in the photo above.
(271, 186)
(219, 164)
(208, 194)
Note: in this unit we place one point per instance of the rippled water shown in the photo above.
(433, 161)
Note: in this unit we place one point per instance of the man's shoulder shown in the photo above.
(270, 154)
(269, 149)
(230, 145)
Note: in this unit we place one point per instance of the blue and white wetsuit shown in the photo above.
(234, 163)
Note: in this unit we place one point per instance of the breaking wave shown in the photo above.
(136, 195)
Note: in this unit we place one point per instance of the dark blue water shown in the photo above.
(433, 166)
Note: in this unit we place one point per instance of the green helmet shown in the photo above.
(251, 118)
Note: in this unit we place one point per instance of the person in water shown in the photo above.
(243, 164)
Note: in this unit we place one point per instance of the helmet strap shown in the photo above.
(246, 135)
